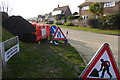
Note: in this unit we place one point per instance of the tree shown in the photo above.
(75, 13)
(97, 9)
(6, 6)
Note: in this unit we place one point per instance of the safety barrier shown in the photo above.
(42, 31)
(8, 49)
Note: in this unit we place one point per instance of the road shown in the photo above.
(87, 43)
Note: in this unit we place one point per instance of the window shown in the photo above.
(85, 8)
(110, 4)
(85, 17)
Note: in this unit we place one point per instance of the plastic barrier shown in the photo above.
(42, 31)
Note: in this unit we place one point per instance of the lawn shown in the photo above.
(112, 32)
(44, 61)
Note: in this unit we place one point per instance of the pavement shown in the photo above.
(87, 43)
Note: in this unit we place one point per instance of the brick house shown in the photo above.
(109, 8)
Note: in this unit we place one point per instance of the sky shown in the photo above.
(32, 8)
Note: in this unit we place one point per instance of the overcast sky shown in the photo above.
(31, 8)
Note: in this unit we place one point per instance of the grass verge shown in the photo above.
(44, 61)
(112, 32)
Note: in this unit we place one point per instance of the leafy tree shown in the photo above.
(97, 9)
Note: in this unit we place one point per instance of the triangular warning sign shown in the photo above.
(59, 35)
(102, 66)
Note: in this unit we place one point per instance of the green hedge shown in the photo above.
(113, 21)
(68, 24)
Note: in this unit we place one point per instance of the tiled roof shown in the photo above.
(85, 4)
(102, 0)
(61, 8)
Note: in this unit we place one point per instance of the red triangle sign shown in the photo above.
(102, 66)
(59, 35)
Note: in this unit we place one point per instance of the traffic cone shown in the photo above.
(66, 41)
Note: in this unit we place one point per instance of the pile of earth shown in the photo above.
(18, 26)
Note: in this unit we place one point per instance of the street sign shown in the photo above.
(102, 66)
(53, 29)
(59, 35)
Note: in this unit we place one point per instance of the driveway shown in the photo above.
(87, 43)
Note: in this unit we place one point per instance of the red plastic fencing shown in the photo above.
(42, 31)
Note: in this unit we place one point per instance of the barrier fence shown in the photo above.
(8, 49)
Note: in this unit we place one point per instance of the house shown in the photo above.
(112, 7)
(40, 18)
(64, 10)
(47, 16)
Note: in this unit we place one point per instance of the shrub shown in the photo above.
(59, 23)
(80, 18)
(94, 23)
(68, 24)
(113, 21)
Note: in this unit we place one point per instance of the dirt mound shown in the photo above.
(20, 27)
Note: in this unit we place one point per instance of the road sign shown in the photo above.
(102, 66)
(53, 29)
(59, 35)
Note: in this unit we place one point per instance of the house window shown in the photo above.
(85, 8)
(110, 4)
(85, 17)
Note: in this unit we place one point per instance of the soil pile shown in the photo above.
(20, 27)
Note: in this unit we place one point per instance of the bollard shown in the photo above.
(66, 41)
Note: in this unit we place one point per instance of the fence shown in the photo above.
(8, 49)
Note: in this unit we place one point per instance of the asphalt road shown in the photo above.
(87, 43)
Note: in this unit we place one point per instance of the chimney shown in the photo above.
(58, 6)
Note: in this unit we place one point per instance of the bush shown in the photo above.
(59, 23)
(94, 23)
(68, 24)
(80, 18)
(113, 21)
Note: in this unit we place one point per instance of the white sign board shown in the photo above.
(43, 32)
(59, 35)
(12, 51)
